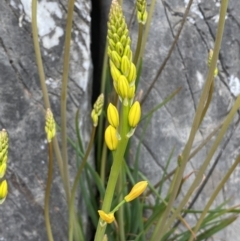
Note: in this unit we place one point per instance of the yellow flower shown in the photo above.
(3, 191)
(50, 127)
(111, 138)
(136, 191)
(134, 114)
(112, 114)
(108, 218)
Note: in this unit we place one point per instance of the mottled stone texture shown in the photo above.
(187, 68)
(22, 110)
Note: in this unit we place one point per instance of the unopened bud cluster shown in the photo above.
(141, 11)
(97, 109)
(124, 74)
(3, 164)
(50, 126)
(122, 69)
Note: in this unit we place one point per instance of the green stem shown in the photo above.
(47, 193)
(205, 164)
(209, 98)
(115, 169)
(214, 195)
(100, 146)
(121, 211)
(160, 228)
(75, 184)
(139, 43)
(103, 163)
(118, 206)
(66, 59)
(43, 84)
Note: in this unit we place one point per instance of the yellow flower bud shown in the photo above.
(128, 53)
(3, 168)
(122, 86)
(50, 126)
(116, 59)
(142, 17)
(115, 37)
(94, 117)
(98, 105)
(131, 92)
(112, 114)
(136, 191)
(210, 55)
(111, 44)
(132, 74)
(123, 40)
(125, 65)
(134, 114)
(114, 71)
(3, 191)
(3, 146)
(111, 138)
(119, 48)
(108, 218)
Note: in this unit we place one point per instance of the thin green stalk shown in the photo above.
(160, 227)
(209, 98)
(75, 184)
(214, 195)
(120, 212)
(221, 134)
(147, 27)
(117, 165)
(66, 59)
(139, 43)
(101, 118)
(47, 193)
(169, 52)
(43, 84)
(193, 153)
(103, 163)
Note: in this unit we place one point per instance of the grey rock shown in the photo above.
(187, 68)
(22, 110)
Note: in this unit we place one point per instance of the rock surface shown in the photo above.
(22, 110)
(187, 68)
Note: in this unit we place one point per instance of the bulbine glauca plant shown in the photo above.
(120, 209)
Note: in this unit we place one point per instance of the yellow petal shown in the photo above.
(136, 191)
(134, 114)
(3, 191)
(111, 138)
(108, 218)
(112, 114)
